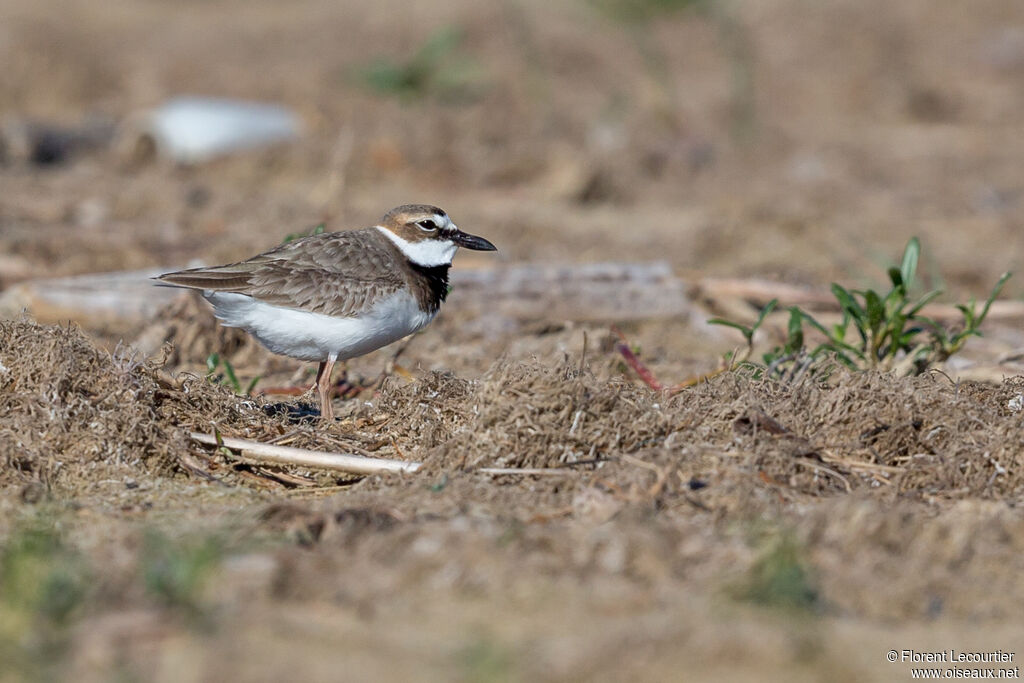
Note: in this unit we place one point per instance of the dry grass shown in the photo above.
(70, 411)
(921, 438)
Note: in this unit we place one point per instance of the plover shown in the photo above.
(338, 295)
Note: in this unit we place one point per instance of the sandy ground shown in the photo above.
(737, 530)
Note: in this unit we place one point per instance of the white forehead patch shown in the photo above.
(426, 253)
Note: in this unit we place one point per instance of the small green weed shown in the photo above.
(38, 573)
(780, 577)
(214, 361)
(292, 236)
(43, 584)
(174, 571)
(486, 660)
(879, 330)
(437, 67)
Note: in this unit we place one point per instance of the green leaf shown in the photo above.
(921, 319)
(747, 332)
(795, 330)
(815, 324)
(992, 297)
(923, 301)
(219, 438)
(835, 343)
(893, 331)
(212, 361)
(908, 268)
(969, 312)
(876, 311)
(838, 330)
(848, 303)
(897, 278)
(728, 323)
(768, 308)
(387, 77)
(957, 341)
(229, 371)
(838, 355)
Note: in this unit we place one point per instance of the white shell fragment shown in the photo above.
(195, 129)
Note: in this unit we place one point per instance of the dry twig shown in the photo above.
(346, 462)
(288, 455)
(538, 471)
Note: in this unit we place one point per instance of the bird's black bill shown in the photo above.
(468, 241)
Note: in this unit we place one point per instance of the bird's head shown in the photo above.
(427, 236)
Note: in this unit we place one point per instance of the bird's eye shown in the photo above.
(427, 225)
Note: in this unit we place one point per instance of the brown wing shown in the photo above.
(338, 274)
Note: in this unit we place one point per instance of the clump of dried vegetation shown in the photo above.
(71, 411)
(921, 436)
(73, 414)
(67, 406)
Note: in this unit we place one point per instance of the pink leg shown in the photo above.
(323, 386)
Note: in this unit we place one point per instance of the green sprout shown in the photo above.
(214, 361)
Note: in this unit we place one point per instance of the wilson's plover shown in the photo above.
(338, 295)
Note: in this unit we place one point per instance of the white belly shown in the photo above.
(318, 337)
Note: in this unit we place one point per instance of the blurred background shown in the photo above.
(795, 140)
(619, 153)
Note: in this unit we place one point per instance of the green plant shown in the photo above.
(436, 67)
(748, 331)
(780, 576)
(174, 571)
(39, 573)
(292, 236)
(43, 584)
(888, 329)
(485, 659)
(214, 361)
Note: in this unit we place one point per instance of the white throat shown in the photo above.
(427, 253)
